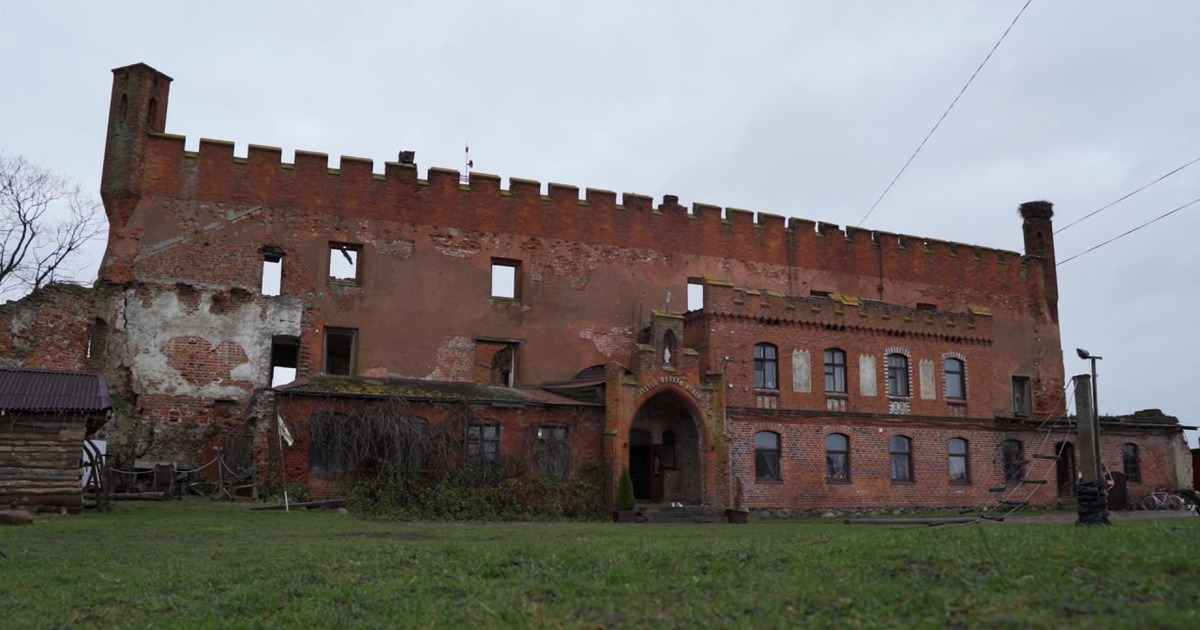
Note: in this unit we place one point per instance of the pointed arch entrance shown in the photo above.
(666, 446)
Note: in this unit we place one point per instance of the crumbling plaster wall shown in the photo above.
(193, 365)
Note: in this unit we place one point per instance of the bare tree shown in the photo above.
(44, 219)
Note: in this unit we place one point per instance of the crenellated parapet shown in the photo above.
(973, 325)
(395, 191)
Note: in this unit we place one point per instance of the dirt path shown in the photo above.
(1115, 517)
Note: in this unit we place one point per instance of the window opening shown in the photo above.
(554, 451)
(285, 358)
(955, 373)
(960, 471)
(835, 371)
(495, 363)
(766, 456)
(695, 295)
(504, 278)
(900, 450)
(272, 272)
(1012, 454)
(837, 457)
(765, 366)
(1022, 397)
(344, 262)
(897, 375)
(339, 351)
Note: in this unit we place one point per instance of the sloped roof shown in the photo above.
(51, 390)
(416, 389)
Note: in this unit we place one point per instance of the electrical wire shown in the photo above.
(1119, 236)
(1102, 208)
(935, 126)
(945, 113)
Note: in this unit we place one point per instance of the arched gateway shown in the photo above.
(666, 448)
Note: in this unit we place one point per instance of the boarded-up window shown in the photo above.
(483, 445)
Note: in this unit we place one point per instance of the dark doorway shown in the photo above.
(1066, 469)
(1118, 492)
(665, 451)
(640, 463)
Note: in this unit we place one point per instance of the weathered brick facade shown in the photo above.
(384, 277)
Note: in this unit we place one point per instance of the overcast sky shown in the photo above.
(795, 108)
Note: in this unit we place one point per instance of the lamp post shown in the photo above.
(1091, 492)
(1087, 356)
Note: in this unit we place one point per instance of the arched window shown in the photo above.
(766, 456)
(837, 457)
(766, 366)
(835, 371)
(1130, 462)
(955, 373)
(960, 471)
(900, 450)
(897, 375)
(1012, 453)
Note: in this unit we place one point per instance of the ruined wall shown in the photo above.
(54, 328)
(590, 269)
(192, 322)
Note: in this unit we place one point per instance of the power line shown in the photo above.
(1161, 216)
(935, 126)
(1097, 211)
(945, 113)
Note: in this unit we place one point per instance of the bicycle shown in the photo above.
(1161, 499)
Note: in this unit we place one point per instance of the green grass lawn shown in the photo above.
(202, 564)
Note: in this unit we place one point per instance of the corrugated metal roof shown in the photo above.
(416, 389)
(50, 390)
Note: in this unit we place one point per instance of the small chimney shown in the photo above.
(407, 157)
(670, 200)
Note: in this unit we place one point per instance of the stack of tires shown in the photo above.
(1093, 502)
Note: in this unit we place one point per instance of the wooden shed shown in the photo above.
(45, 416)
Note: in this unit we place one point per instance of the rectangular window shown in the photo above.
(837, 458)
(1022, 396)
(695, 294)
(344, 263)
(272, 271)
(483, 444)
(1012, 455)
(495, 362)
(554, 452)
(901, 453)
(766, 366)
(285, 358)
(766, 457)
(339, 351)
(505, 278)
(835, 371)
(960, 471)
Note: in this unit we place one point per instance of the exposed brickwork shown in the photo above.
(186, 329)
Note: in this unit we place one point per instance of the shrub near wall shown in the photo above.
(471, 494)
